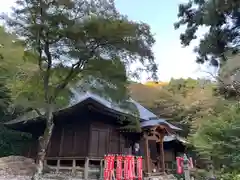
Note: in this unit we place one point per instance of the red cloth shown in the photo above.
(130, 167)
(106, 173)
(126, 167)
(109, 167)
(179, 165)
(133, 167)
(119, 168)
(139, 168)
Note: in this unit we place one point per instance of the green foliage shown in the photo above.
(218, 137)
(210, 122)
(87, 44)
(178, 100)
(11, 142)
(222, 21)
(181, 86)
(229, 79)
(230, 176)
(4, 100)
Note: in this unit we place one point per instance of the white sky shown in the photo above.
(176, 61)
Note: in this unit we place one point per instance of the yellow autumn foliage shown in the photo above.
(156, 84)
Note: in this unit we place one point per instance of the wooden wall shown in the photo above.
(105, 138)
(89, 134)
(69, 140)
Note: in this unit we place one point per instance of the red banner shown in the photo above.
(109, 167)
(133, 167)
(119, 168)
(128, 167)
(179, 165)
(106, 173)
(139, 168)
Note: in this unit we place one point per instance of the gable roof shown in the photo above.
(154, 122)
(173, 138)
(147, 118)
(144, 114)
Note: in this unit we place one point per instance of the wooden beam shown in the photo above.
(146, 155)
(162, 155)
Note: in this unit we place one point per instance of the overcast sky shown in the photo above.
(173, 60)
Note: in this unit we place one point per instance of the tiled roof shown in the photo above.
(158, 121)
(147, 118)
(174, 137)
(144, 113)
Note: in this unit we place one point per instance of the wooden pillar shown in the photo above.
(146, 155)
(162, 156)
(58, 166)
(86, 168)
(74, 167)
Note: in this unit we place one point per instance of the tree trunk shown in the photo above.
(43, 144)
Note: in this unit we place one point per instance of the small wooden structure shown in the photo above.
(154, 132)
(85, 132)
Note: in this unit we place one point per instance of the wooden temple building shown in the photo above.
(87, 130)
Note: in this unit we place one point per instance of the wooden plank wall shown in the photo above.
(87, 135)
(69, 140)
(106, 139)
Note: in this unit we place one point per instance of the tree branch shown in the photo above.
(73, 72)
(223, 83)
(47, 72)
(34, 109)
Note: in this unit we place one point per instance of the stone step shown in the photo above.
(161, 177)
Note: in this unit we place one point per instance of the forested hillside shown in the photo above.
(207, 111)
(210, 121)
(10, 65)
(216, 131)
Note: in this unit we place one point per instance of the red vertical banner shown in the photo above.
(119, 168)
(139, 168)
(111, 166)
(106, 173)
(126, 166)
(179, 161)
(133, 167)
(130, 167)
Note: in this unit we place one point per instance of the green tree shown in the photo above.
(218, 137)
(11, 142)
(182, 101)
(74, 41)
(4, 99)
(220, 18)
